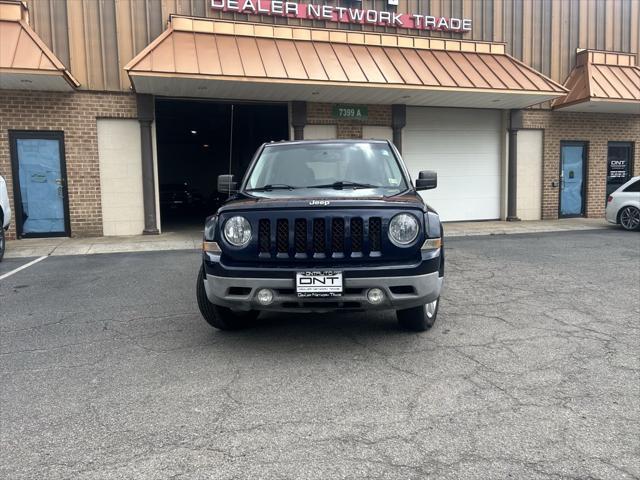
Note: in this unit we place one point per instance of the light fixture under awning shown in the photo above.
(602, 82)
(219, 59)
(26, 63)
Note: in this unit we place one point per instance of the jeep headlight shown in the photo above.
(237, 231)
(403, 229)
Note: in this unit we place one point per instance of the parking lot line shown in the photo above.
(26, 265)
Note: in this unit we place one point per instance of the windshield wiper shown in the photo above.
(274, 186)
(342, 184)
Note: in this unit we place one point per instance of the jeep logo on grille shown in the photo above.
(319, 203)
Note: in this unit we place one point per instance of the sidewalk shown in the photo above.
(191, 239)
(37, 247)
(463, 229)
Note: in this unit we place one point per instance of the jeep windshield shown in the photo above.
(327, 169)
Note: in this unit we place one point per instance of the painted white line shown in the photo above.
(26, 265)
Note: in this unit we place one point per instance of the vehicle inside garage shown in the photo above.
(199, 140)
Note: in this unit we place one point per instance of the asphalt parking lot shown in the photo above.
(532, 371)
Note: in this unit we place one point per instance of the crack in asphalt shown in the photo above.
(532, 371)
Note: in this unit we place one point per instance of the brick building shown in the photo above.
(116, 117)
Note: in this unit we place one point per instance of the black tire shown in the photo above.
(629, 218)
(220, 317)
(3, 241)
(417, 319)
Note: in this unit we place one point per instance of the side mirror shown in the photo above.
(227, 184)
(427, 180)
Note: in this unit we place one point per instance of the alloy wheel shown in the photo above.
(630, 218)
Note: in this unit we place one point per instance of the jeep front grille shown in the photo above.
(264, 236)
(331, 237)
(318, 237)
(375, 231)
(337, 235)
(282, 236)
(300, 236)
(357, 232)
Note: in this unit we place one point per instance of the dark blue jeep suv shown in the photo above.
(318, 226)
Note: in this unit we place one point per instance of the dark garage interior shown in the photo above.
(193, 141)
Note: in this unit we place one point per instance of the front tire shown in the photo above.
(630, 218)
(3, 241)
(220, 317)
(419, 319)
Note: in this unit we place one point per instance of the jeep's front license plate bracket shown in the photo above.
(319, 284)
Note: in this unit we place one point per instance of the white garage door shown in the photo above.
(463, 146)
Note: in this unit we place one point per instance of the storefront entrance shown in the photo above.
(39, 179)
(572, 172)
(199, 140)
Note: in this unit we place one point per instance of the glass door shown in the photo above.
(39, 179)
(572, 162)
(619, 155)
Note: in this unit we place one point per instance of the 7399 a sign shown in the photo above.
(351, 112)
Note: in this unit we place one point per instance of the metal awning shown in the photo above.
(26, 63)
(603, 82)
(236, 60)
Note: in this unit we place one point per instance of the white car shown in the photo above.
(5, 215)
(623, 205)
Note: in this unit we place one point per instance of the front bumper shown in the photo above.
(411, 289)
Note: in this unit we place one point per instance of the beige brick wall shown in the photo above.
(349, 131)
(320, 132)
(595, 129)
(74, 114)
(321, 114)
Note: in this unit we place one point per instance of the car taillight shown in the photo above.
(610, 199)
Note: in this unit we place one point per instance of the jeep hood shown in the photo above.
(336, 199)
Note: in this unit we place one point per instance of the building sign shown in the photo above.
(333, 13)
(350, 112)
(618, 169)
(619, 155)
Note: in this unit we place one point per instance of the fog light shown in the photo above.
(265, 296)
(375, 296)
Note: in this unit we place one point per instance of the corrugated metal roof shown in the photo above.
(602, 77)
(21, 50)
(230, 55)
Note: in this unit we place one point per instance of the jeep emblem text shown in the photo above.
(321, 203)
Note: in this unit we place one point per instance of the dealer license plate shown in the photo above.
(319, 284)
